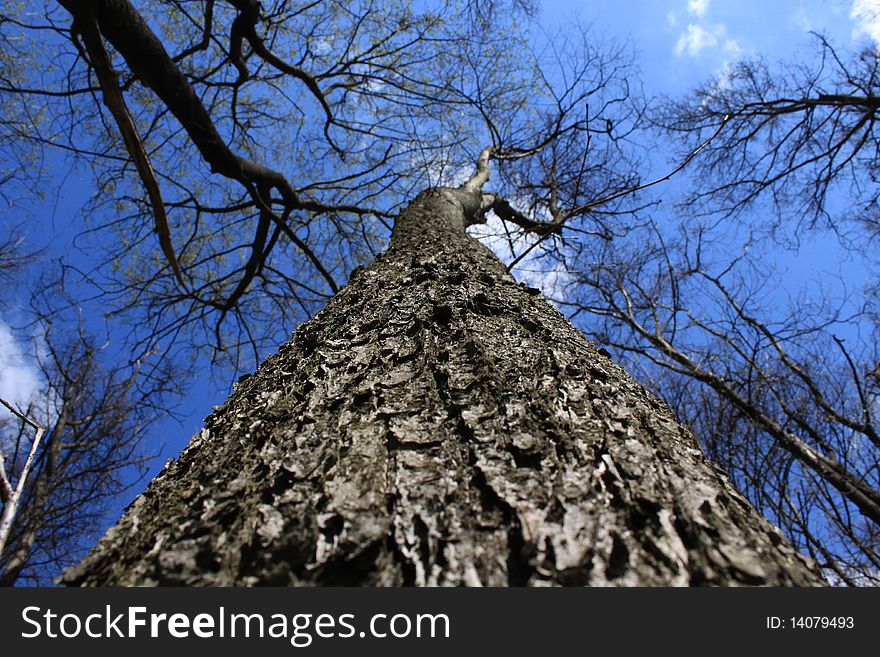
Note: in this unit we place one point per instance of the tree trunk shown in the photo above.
(439, 424)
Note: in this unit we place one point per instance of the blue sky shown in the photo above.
(679, 44)
(685, 41)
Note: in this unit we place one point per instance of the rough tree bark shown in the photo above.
(439, 424)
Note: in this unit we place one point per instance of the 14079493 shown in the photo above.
(810, 622)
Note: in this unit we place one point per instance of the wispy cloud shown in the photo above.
(697, 38)
(865, 15)
(800, 19)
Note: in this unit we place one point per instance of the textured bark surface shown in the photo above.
(439, 424)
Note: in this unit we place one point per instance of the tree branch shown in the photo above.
(244, 26)
(148, 60)
(10, 506)
(481, 176)
(115, 102)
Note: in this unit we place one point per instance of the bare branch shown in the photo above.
(115, 102)
(12, 497)
(481, 175)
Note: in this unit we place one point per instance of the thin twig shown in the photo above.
(623, 192)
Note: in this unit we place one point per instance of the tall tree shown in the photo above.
(435, 424)
(384, 411)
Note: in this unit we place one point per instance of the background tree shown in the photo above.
(90, 453)
(93, 418)
(798, 135)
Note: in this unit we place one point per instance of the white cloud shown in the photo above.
(865, 15)
(19, 376)
(697, 38)
(732, 49)
(552, 282)
(493, 235)
(698, 7)
(531, 270)
(439, 170)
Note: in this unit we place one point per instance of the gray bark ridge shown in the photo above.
(439, 424)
